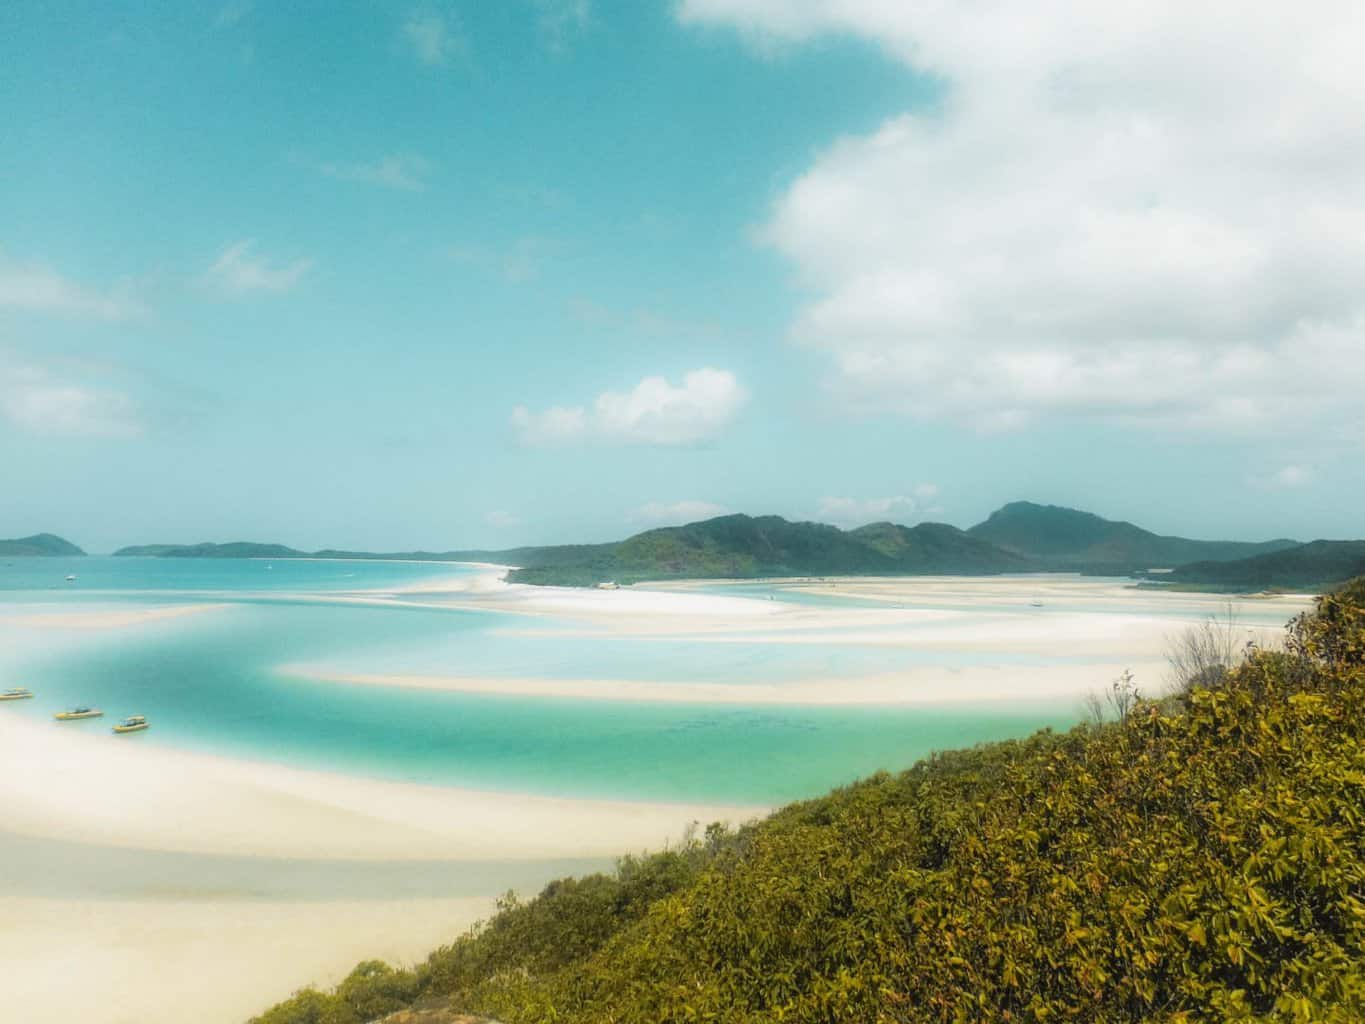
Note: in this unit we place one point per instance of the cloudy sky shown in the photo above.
(463, 273)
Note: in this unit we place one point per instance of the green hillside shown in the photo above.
(37, 546)
(235, 549)
(1202, 859)
(938, 548)
(1020, 537)
(1064, 538)
(741, 546)
(1310, 566)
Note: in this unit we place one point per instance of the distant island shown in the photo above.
(1307, 565)
(1065, 539)
(40, 545)
(1019, 537)
(236, 549)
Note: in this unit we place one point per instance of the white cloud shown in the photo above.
(518, 262)
(1153, 212)
(556, 425)
(900, 508)
(653, 412)
(1286, 478)
(40, 289)
(676, 513)
(38, 401)
(238, 271)
(560, 20)
(404, 171)
(434, 37)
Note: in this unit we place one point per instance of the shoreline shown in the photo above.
(96, 789)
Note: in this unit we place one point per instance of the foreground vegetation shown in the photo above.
(1201, 859)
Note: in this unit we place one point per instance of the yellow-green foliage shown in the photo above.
(1204, 861)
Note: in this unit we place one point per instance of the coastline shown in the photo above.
(96, 789)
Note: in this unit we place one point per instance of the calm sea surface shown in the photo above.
(211, 682)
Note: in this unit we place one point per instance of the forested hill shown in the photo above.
(1065, 538)
(1200, 859)
(740, 546)
(235, 549)
(1020, 537)
(37, 546)
(1308, 565)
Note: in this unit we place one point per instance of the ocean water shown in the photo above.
(212, 682)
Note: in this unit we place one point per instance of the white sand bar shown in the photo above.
(921, 685)
(117, 617)
(96, 788)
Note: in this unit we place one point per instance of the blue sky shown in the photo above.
(481, 274)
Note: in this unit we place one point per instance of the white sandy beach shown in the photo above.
(1101, 627)
(151, 961)
(95, 788)
(230, 957)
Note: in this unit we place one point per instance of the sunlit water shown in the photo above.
(211, 682)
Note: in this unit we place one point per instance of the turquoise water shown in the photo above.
(209, 682)
(102, 575)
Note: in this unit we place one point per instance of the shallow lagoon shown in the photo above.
(212, 682)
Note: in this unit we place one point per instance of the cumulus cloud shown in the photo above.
(900, 508)
(1153, 212)
(41, 289)
(653, 412)
(434, 37)
(40, 401)
(404, 171)
(238, 271)
(676, 513)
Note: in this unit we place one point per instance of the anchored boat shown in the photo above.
(16, 693)
(133, 723)
(75, 714)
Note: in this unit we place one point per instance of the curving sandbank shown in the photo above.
(86, 786)
(922, 685)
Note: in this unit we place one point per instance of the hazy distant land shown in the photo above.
(37, 546)
(1019, 537)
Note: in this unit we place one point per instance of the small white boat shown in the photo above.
(1036, 603)
(133, 723)
(71, 579)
